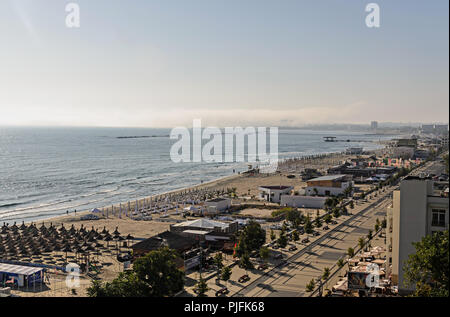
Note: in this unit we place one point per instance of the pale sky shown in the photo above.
(162, 63)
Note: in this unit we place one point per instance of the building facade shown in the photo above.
(273, 193)
(419, 208)
(330, 185)
(298, 201)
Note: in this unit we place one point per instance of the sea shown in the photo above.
(46, 171)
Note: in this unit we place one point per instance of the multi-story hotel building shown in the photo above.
(419, 208)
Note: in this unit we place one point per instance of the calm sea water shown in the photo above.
(46, 171)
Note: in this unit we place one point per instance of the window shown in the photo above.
(438, 217)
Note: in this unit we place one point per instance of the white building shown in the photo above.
(217, 205)
(303, 201)
(419, 209)
(330, 185)
(273, 193)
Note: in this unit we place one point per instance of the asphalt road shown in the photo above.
(290, 278)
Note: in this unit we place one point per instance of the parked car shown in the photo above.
(262, 267)
(278, 256)
(306, 240)
(293, 248)
(222, 291)
(316, 233)
(244, 278)
(325, 228)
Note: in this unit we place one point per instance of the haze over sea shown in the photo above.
(46, 171)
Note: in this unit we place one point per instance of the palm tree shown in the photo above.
(326, 275)
(340, 263)
(361, 243)
(351, 252)
(264, 254)
(226, 274)
(201, 288)
(311, 285)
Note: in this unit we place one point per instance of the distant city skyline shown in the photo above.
(236, 63)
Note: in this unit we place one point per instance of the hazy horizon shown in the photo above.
(236, 63)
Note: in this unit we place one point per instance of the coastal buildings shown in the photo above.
(434, 128)
(164, 239)
(21, 275)
(330, 185)
(419, 208)
(273, 193)
(217, 205)
(303, 201)
(374, 125)
(206, 230)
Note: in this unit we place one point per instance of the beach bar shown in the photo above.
(22, 275)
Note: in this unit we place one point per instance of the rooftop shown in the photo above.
(19, 269)
(276, 187)
(327, 178)
(165, 239)
(202, 223)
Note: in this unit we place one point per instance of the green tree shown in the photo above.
(126, 284)
(245, 262)
(201, 287)
(351, 252)
(427, 269)
(294, 217)
(311, 285)
(251, 238)
(153, 275)
(218, 261)
(284, 228)
(377, 227)
(361, 243)
(329, 203)
(308, 226)
(352, 205)
(327, 218)
(264, 253)
(336, 213)
(340, 263)
(326, 275)
(226, 274)
(295, 236)
(272, 235)
(318, 222)
(282, 240)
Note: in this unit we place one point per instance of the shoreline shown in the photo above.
(317, 158)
